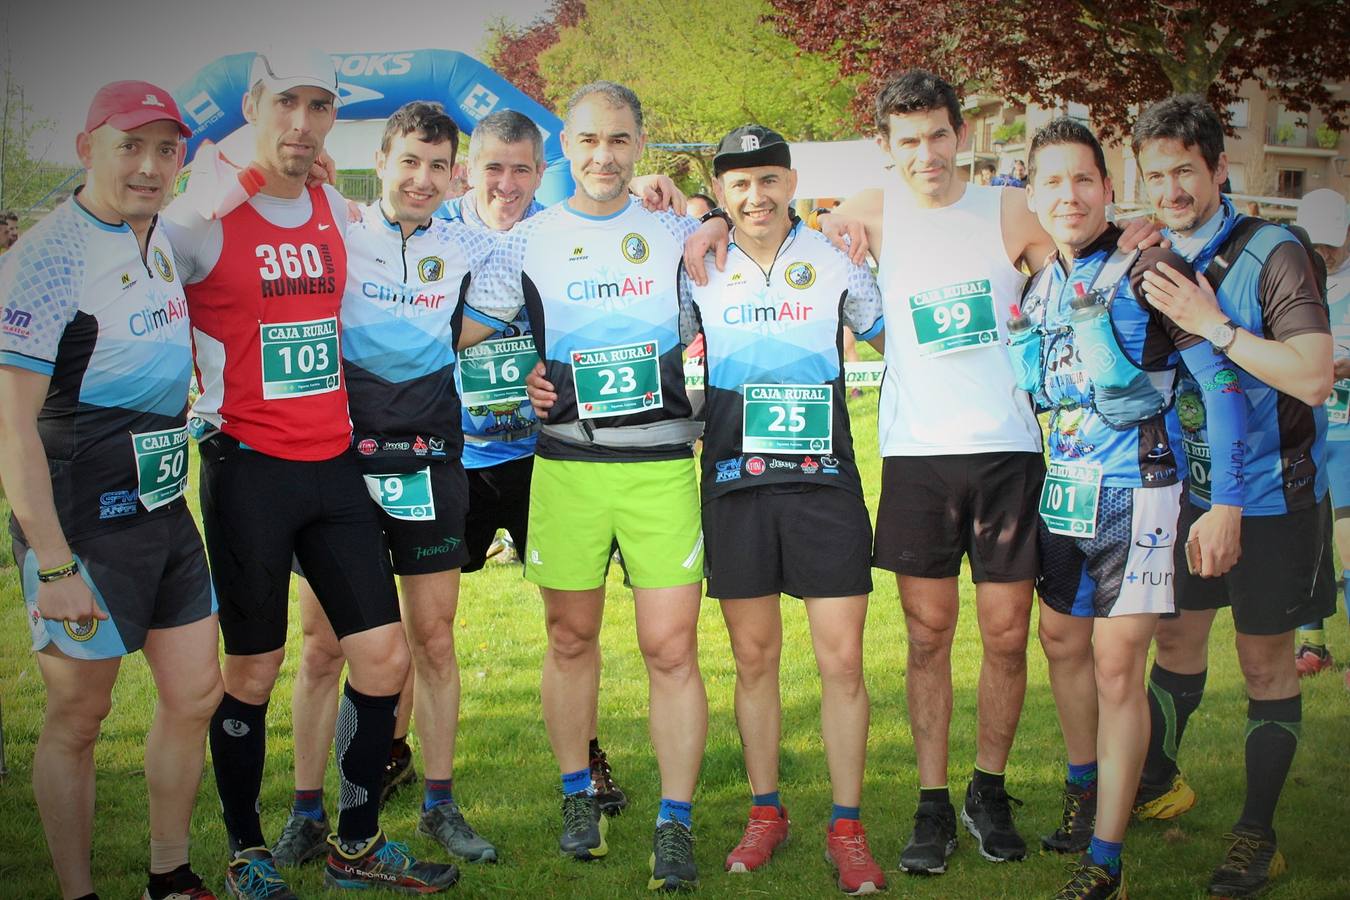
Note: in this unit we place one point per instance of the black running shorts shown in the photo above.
(499, 497)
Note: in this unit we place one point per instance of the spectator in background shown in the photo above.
(1012, 173)
(9, 230)
(984, 172)
(700, 205)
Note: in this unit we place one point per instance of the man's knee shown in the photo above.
(757, 656)
(674, 654)
(250, 678)
(433, 649)
(1063, 644)
(75, 722)
(572, 639)
(842, 665)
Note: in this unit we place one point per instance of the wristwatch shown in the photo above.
(1222, 336)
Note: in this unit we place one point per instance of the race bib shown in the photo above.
(161, 466)
(788, 418)
(1197, 464)
(1069, 498)
(953, 318)
(612, 381)
(1338, 404)
(299, 358)
(406, 496)
(494, 371)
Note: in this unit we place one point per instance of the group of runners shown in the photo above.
(343, 437)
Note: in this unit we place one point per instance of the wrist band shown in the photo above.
(58, 572)
(716, 212)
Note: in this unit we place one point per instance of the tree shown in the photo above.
(700, 68)
(24, 143)
(1108, 54)
(513, 51)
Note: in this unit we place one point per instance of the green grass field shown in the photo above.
(507, 781)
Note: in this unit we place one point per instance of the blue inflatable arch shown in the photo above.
(373, 86)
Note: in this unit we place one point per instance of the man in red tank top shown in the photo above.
(264, 285)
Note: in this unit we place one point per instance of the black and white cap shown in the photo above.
(751, 145)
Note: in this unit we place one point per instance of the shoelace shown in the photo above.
(1072, 806)
(259, 875)
(394, 854)
(1241, 852)
(755, 831)
(676, 844)
(855, 845)
(928, 826)
(1085, 877)
(292, 831)
(454, 820)
(999, 804)
(576, 813)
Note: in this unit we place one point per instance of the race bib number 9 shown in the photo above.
(1338, 404)
(299, 358)
(1069, 498)
(955, 317)
(788, 418)
(406, 496)
(612, 381)
(161, 466)
(494, 371)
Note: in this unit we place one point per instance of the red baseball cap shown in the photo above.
(130, 104)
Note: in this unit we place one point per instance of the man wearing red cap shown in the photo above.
(95, 362)
(264, 284)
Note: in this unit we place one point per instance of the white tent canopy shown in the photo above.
(838, 168)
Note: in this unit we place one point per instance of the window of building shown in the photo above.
(1289, 183)
(1239, 111)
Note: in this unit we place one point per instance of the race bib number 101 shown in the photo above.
(1069, 498)
(299, 358)
(612, 381)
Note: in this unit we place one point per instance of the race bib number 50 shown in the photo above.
(299, 358)
(612, 381)
(161, 466)
(954, 317)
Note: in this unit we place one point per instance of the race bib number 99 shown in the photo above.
(406, 496)
(788, 418)
(494, 371)
(612, 381)
(161, 466)
(299, 358)
(955, 317)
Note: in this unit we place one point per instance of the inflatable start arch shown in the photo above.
(373, 86)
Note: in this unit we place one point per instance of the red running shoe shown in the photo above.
(766, 831)
(1310, 660)
(846, 849)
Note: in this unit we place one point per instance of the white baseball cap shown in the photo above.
(1324, 215)
(284, 68)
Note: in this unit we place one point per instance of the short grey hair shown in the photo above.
(509, 127)
(615, 94)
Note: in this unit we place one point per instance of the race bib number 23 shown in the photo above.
(612, 381)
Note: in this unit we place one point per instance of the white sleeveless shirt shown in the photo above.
(947, 286)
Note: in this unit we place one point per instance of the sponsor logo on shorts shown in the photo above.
(1151, 579)
(534, 558)
(829, 465)
(443, 547)
(437, 446)
(82, 631)
(755, 465)
(115, 504)
(419, 446)
(1157, 539)
(367, 447)
(728, 470)
(395, 446)
(234, 727)
(782, 464)
(15, 321)
(810, 466)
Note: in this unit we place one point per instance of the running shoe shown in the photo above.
(1310, 660)
(445, 823)
(252, 875)
(987, 814)
(766, 831)
(302, 839)
(1090, 881)
(612, 798)
(1075, 824)
(846, 849)
(934, 840)
(672, 861)
(386, 864)
(584, 828)
(1163, 802)
(1251, 862)
(182, 884)
(397, 772)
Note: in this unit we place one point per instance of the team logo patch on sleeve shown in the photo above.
(800, 275)
(635, 248)
(430, 269)
(162, 265)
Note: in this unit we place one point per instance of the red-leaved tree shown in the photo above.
(514, 51)
(1107, 54)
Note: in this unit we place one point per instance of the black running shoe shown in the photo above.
(445, 823)
(398, 771)
(612, 798)
(386, 864)
(934, 840)
(1251, 862)
(584, 828)
(672, 861)
(302, 839)
(1090, 881)
(1075, 824)
(988, 816)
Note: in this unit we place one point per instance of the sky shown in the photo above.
(62, 51)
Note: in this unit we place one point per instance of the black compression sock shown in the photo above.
(365, 728)
(238, 738)
(1171, 700)
(1273, 729)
